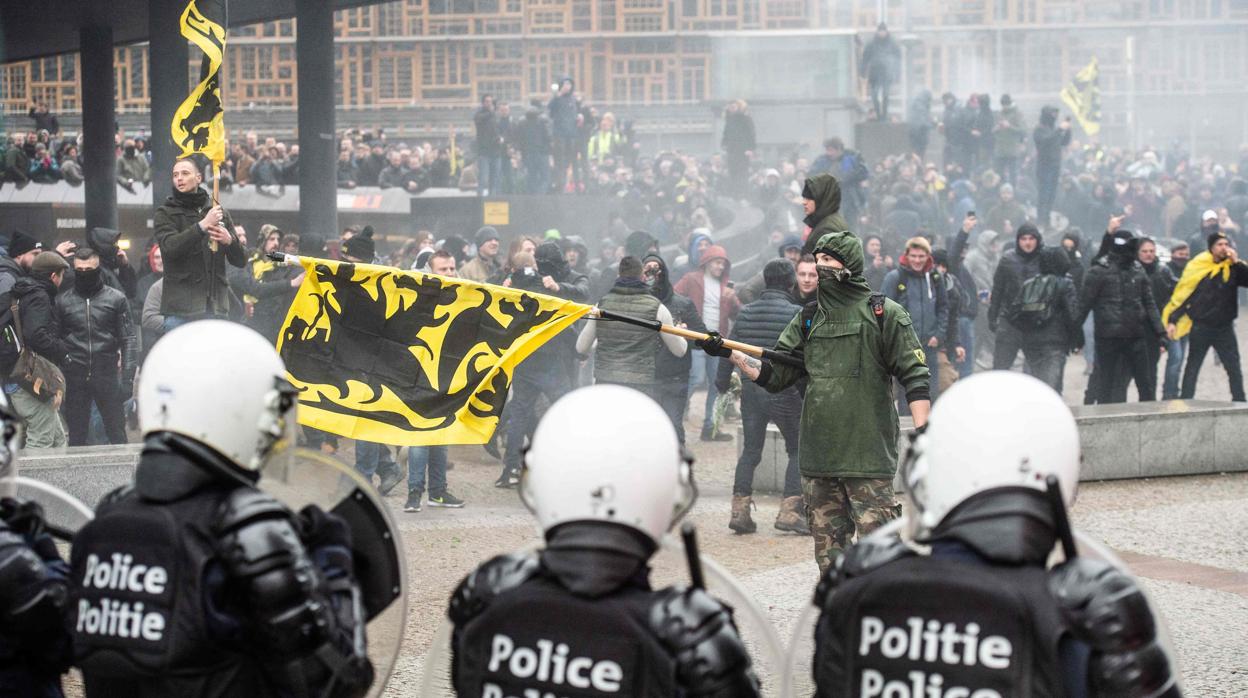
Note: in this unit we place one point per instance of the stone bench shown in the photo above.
(1130, 440)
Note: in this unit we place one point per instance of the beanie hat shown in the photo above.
(20, 243)
(48, 263)
(362, 246)
(940, 257)
(485, 234)
(1214, 237)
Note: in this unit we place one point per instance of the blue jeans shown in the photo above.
(371, 458)
(758, 407)
(966, 332)
(489, 173)
(703, 373)
(527, 385)
(1176, 349)
(431, 459)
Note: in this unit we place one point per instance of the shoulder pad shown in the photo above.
(865, 556)
(246, 504)
(1143, 672)
(23, 580)
(698, 630)
(503, 573)
(1103, 605)
(113, 497)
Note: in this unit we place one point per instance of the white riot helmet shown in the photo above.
(607, 453)
(222, 385)
(994, 429)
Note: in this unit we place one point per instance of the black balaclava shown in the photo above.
(88, 281)
(1123, 246)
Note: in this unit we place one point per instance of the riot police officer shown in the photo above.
(191, 581)
(34, 646)
(579, 617)
(960, 603)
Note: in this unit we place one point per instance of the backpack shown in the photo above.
(1033, 304)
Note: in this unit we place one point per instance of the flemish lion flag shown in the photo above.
(406, 358)
(1083, 97)
(199, 124)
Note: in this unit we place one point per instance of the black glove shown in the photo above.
(26, 518)
(328, 539)
(713, 345)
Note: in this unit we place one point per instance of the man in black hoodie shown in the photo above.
(1050, 139)
(547, 371)
(1126, 320)
(1055, 331)
(1016, 266)
(671, 372)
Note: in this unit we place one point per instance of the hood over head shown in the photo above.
(1048, 116)
(104, 242)
(712, 253)
(848, 249)
(986, 240)
(825, 191)
(1054, 260)
(789, 242)
(698, 235)
(550, 261)
(662, 288)
(1028, 229)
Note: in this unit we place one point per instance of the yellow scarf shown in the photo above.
(1200, 267)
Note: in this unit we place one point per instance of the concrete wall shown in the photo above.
(1133, 440)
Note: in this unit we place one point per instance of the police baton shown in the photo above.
(689, 534)
(1061, 520)
(757, 352)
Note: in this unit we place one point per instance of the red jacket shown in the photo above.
(692, 286)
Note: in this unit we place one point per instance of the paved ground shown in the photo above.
(1184, 535)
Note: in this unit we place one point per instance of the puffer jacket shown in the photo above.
(761, 323)
(1117, 288)
(1063, 328)
(1016, 267)
(97, 328)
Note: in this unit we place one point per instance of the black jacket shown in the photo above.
(97, 328)
(1117, 288)
(1162, 280)
(761, 323)
(1064, 328)
(195, 282)
(667, 366)
(1215, 302)
(489, 142)
(41, 325)
(1014, 268)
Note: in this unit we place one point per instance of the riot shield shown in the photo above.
(798, 671)
(308, 477)
(668, 567)
(63, 513)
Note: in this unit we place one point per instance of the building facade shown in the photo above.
(445, 54)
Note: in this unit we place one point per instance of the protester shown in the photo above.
(1126, 321)
(1050, 138)
(1048, 316)
(918, 288)
(196, 242)
(852, 344)
(761, 324)
(20, 255)
(1015, 268)
(486, 264)
(671, 372)
(807, 280)
(1162, 281)
(37, 401)
(1204, 306)
(710, 288)
(1176, 349)
(738, 142)
(881, 63)
(625, 354)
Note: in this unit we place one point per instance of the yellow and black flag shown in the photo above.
(199, 124)
(1083, 97)
(406, 358)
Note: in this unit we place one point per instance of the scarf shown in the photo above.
(1198, 269)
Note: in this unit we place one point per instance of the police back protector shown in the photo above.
(931, 627)
(538, 639)
(138, 574)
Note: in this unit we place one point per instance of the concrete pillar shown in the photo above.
(167, 85)
(99, 156)
(318, 162)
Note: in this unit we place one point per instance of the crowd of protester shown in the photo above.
(1011, 242)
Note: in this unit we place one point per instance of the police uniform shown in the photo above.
(34, 647)
(580, 619)
(192, 582)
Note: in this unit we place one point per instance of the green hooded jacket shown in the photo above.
(849, 422)
(825, 191)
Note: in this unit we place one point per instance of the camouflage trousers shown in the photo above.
(839, 507)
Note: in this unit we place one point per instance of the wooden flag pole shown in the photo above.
(750, 349)
(212, 244)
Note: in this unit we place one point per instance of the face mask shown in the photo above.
(840, 276)
(87, 281)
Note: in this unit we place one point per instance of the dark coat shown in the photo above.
(489, 141)
(760, 323)
(195, 282)
(1119, 291)
(41, 324)
(738, 133)
(1014, 268)
(1063, 329)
